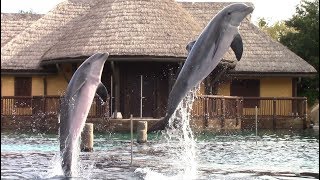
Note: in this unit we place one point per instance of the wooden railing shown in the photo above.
(204, 107)
(44, 106)
(243, 108)
(276, 107)
(210, 106)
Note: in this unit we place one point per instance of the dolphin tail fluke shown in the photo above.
(160, 125)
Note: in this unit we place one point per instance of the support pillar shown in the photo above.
(142, 127)
(87, 138)
(116, 74)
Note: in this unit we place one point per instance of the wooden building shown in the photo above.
(268, 70)
(146, 41)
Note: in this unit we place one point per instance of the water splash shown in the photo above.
(75, 165)
(180, 138)
(54, 168)
(77, 168)
(184, 135)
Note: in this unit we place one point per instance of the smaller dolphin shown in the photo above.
(205, 54)
(75, 106)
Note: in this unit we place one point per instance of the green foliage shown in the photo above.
(262, 23)
(304, 41)
(275, 31)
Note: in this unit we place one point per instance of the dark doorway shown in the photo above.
(154, 89)
(133, 95)
(149, 95)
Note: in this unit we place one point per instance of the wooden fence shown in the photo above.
(276, 110)
(205, 108)
(44, 106)
(211, 106)
(277, 107)
(271, 110)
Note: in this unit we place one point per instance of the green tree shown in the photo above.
(275, 31)
(304, 41)
(262, 23)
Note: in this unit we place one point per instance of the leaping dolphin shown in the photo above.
(75, 106)
(205, 54)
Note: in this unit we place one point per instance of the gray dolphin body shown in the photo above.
(75, 106)
(205, 54)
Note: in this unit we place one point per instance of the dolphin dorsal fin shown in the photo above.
(237, 46)
(102, 92)
(190, 45)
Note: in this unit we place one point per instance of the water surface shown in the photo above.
(238, 155)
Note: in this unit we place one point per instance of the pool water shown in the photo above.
(238, 155)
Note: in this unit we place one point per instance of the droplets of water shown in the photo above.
(183, 135)
(54, 167)
(182, 149)
(75, 159)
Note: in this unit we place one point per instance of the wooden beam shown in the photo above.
(274, 114)
(45, 86)
(116, 75)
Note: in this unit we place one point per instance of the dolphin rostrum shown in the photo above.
(205, 54)
(75, 106)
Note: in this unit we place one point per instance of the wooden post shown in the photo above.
(256, 112)
(240, 111)
(116, 75)
(206, 111)
(223, 112)
(111, 95)
(237, 111)
(87, 138)
(131, 132)
(45, 86)
(142, 128)
(117, 92)
(274, 114)
(141, 95)
(305, 113)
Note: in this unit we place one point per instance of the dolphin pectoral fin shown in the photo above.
(237, 46)
(190, 45)
(102, 92)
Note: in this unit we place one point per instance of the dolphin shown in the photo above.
(75, 106)
(205, 53)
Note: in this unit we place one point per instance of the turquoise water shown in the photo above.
(238, 155)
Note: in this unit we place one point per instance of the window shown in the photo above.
(22, 87)
(246, 88)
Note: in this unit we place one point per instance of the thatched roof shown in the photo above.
(137, 28)
(130, 28)
(261, 54)
(25, 50)
(14, 23)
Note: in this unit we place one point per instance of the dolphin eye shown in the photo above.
(229, 13)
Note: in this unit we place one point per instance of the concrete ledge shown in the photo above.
(50, 124)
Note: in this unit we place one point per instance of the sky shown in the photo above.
(271, 10)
